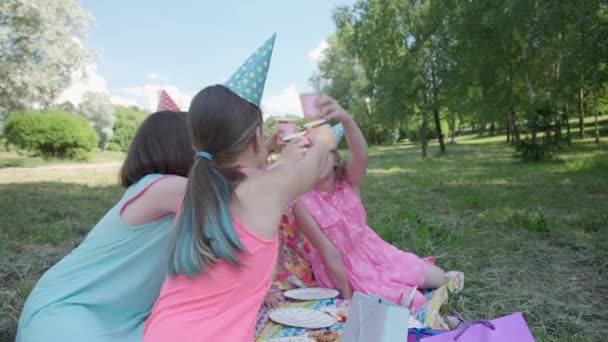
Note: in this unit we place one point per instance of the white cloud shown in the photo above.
(156, 77)
(287, 102)
(123, 100)
(317, 54)
(83, 81)
(147, 95)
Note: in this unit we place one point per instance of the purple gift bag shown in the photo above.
(509, 328)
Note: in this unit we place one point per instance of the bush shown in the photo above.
(381, 133)
(51, 134)
(414, 134)
(127, 122)
(527, 150)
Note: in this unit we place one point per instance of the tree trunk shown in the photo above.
(514, 128)
(581, 114)
(508, 127)
(435, 105)
(492, 128)
(531, 95)
(423, 134)
(597, 127)
(567, 122)
(557, 127)
(438, 129)
(453, 138)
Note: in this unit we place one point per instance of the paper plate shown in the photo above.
(302, 318)
(315, 123)
(293, 136)
(311, 293)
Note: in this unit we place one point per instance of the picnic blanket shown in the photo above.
(267, 329)
(428, 317)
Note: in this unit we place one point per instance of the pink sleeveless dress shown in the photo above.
(373, 265)
(220, 305)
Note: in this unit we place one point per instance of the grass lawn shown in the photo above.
(529, 237)
(13, 159)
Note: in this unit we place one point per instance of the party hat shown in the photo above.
(249, 79)
(339, 132)
(165, 102)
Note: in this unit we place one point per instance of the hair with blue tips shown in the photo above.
(223, 125)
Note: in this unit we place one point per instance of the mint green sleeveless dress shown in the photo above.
(104, 289)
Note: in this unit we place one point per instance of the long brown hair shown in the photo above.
(222, 125)
(161, 145)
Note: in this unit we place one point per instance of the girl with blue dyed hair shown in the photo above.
(225, 244)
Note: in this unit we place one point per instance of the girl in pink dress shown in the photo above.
(225, 243)
(348, 254)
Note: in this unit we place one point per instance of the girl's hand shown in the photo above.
(294, 150)
(323, 135)
(272, 299)
(271, 143)
(347, 294)
(331, 109)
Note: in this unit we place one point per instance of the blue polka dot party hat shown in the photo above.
(249, 79)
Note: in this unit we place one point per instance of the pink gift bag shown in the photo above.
(511, 328)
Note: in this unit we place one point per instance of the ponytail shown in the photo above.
(205, 233)
(222, 126)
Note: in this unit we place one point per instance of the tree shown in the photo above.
(40, 47)
(96, 107)
(521, 66)
(127, 122)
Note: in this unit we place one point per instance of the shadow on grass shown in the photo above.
(39, 224)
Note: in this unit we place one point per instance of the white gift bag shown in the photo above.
(373, 319)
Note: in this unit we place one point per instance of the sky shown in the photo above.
(183, 46)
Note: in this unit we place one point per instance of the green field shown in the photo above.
(14, 159)
(529, 237)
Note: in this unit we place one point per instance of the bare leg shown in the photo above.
(434, 278)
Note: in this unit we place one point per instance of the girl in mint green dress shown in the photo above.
(105, 288)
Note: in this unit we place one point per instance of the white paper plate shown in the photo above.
(311, 293)
(302, 338)
(302, 318)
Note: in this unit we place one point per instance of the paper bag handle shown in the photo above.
(472, 323)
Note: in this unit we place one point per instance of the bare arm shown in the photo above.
(357, 164)
(296, 178)
(331, 255)
(161, 198)
(271, 190)
(356, 169)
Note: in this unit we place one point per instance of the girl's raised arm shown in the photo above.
(357, 163)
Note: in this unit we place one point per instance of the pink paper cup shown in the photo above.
(286, 126)
(311, 106)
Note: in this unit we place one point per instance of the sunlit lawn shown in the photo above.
(529, 237)
(14, 159)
